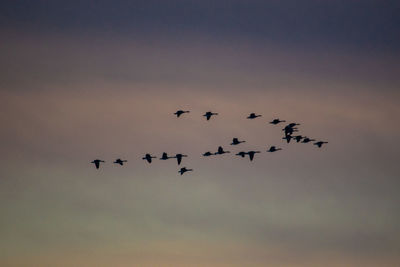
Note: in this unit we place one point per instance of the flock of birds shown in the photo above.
(289, 131)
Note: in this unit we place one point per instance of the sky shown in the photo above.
(101, 79)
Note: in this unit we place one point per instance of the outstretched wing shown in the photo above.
(97, 163)
(179, 159)
(251, 155)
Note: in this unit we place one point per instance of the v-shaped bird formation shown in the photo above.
(288, 130)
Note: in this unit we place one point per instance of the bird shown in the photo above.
(179, 158)
(320, 143)
(165, 156)
(253, 116)
(276, 121)
(120, 161)
(221, 151)
(183, 170)
(273, 149)
(148, 157)
(236, 141)
(288, 138)
(241, 153)
(207, 154)
(251, 154)
(307, 140)
(180, 112)
(97, 162)
(289, 130)
(208, 114)
(297, 138)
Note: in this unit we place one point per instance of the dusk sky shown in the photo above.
(82, 80)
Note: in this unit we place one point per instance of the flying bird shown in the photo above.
(320, 143)
(165, 156)
(207, 154)
(120, 161)
(276, 121)
(208, 114)
(288, 138)
(251, 154)
(298, 138)
(307, 140)
(241, 153)
(148, 157)
(236, 141)
(221, 151)
(180, 112)
(273, 149)
(179, 158)
(97, 162)
(253, 116)
(183, 170)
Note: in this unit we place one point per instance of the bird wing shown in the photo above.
(208, 116)
(251, 156)
(97, 163)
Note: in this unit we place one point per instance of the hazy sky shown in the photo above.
(101, 79)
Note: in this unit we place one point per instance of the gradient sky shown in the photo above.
(100, 79)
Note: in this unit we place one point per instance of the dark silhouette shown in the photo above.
(289, 130)
(207, 154)
(298, 138)
(165, 156)
(97, 162)
(221, 151)
(320, 143)
(273, 149)
(307, 140)
(276, 121)
(179, 158)
(209, 114)
(253, 116)
(180, 112)
(288, 138)
(183, 170)
(241, 153)
(148, 157)
(251, 154)
(236, 141)
(120, 161)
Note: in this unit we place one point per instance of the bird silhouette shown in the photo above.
(253, 116)
(97, 162)
(179, 158)
(120, 161)
(165, 156)
(320, 143)
(221, 151)
(183, 170)
(307, 140)
(276, 121)
(289, 130)
(251, 154)
(180, 112)
(236, 141)
(207, 154)
(298, 138)
(287, 138)
(208, 114)
(148, 157)
(273, 149)
(241, 153)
